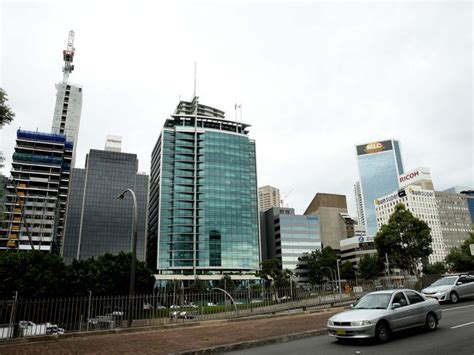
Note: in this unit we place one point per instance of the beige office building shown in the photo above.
(332, 212)
(268, 197)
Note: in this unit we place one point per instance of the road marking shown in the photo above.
(462, 325)
(452, 309)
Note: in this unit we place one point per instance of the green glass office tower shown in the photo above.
(203, 216)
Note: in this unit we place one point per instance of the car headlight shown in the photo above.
(361, 323)
(330, 322)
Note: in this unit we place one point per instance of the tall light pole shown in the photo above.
(133, 270)
(338, 277)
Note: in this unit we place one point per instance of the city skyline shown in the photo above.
(421, 98)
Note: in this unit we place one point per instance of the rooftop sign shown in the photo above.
(374, 147)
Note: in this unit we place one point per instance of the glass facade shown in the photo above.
(203, 196)
(378, 173)
(97, 222)
(298, 235)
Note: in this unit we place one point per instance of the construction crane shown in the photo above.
(68, 56)
(283, 200)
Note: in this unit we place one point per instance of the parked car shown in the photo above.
(181, 315)
(451, 288)
(379, 313)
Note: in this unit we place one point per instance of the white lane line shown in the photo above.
(462, 325)
(452, 309)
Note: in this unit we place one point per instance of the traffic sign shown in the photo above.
(471, 246)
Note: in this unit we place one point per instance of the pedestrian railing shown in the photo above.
(23, 317)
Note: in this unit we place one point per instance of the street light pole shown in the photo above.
(338, 277)
(133, 270)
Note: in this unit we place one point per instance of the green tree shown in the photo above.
(406, 240)
(198, 286)
(226, 283)
(6, 114)
(318, 264)
(269, 270)
(272, 273)
(435, 269)
(33, 274)
(460, 259)
(347, 271)
(370, 266)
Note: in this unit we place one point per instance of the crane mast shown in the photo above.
(68, 56)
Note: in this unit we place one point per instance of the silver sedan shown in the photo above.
(378, 314)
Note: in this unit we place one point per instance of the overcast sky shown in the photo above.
(314, 79)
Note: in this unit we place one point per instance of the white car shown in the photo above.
(451, 288)
(379, 313)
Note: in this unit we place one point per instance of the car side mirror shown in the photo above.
(351, 306)
(396, 305)
(458, 283)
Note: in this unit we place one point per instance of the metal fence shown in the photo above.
(23, 317)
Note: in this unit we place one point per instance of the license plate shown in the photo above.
(340, 332)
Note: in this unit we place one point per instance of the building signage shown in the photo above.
(387, 199)
(374, 147)
(414, 176)
(366, 239)
(421, 193)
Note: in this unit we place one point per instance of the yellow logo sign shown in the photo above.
(374, 147)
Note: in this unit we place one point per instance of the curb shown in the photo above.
(255, 343)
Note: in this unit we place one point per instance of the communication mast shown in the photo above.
(68, 56)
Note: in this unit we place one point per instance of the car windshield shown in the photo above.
(445, 281)
(374, 301)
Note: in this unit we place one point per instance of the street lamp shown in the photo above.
(134, 252)
(338, 277)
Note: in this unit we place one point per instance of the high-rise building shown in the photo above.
(455, 219)
(97, 222)
(68, 107)
(422, 204)
(380, 165)
(359, 204)
(287, 236)
(332, 212)
(37, 192)
(268, 197)
(203, 216)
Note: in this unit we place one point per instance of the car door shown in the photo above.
(418, 307)
(470, 286)
(402, 316)
(463, 288)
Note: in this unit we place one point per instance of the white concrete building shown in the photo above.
(359, 204)
(422, 204)
(353, 249)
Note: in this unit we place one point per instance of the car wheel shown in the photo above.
(431, 322)
(453, 296)
(382, 332)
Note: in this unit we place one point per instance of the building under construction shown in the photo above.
(37, 190)
(35, 202)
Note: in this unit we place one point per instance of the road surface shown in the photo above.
(455, 335)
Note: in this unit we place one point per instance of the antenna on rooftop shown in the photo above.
(68, 56)
(195, 74)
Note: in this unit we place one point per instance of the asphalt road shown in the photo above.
(455, 335)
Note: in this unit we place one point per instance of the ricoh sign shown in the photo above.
(414, 176)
